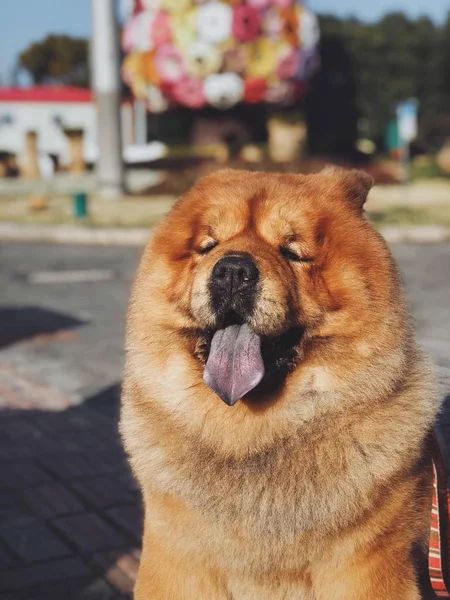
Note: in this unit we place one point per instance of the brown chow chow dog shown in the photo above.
(276, 408)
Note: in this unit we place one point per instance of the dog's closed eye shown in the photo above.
(293, 256)
(207, 245)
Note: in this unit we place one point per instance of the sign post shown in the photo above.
(407, 129)
(106, 85)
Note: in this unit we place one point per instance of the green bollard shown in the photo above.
(80, 205)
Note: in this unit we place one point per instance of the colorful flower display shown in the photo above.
(196, 53)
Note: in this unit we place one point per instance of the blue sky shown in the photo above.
(24, 21)
(370, 10)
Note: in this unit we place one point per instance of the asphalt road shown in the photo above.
(70, 335)
(70, 519)
(67, 335)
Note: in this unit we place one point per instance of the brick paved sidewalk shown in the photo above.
(70, 516)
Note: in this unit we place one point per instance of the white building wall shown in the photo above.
(16, 118)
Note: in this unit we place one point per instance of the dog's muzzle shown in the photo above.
(235, 365)
(233, 285)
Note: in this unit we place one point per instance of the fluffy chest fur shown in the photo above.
(280, 506)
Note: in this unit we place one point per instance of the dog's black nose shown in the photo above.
(232, 274)
(233, 286)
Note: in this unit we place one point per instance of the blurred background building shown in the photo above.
(260, 82)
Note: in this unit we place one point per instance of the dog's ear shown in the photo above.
(356, 184)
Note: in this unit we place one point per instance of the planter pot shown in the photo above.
(286, 140)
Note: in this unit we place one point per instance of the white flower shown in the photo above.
(214, 22)
(203, 59)
(224, 89)
(309, 32)
(142, 31)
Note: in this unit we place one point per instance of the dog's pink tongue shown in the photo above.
(234, 366)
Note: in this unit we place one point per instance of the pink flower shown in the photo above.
(281, 93)
(169, 64)
(285, 93)
(234, 60)
(283, 3)
(161, 32)
(272, 24)
(246, 23)
(129, 35)
(136, 34)
(189, 92)
(289, 64)
(259, 4)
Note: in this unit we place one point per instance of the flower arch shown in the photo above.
(197, 53)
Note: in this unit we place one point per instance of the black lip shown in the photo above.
(231, 317)
(280, 353)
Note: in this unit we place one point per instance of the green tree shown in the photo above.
(331, 108)
(443, 66)
(388, 61)
(435, 116)
(57, 59)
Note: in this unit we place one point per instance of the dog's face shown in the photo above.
(257, 266)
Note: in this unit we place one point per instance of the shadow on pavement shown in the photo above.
(21, 323)
(106, 402)
(70, 510)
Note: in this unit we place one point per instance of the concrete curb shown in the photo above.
(69, 234)
(422, 234)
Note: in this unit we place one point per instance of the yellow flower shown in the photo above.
(261, 57)
(184, 28)
(176, 6)
(156, 101)
(133, 73)
(228, 44)
(139, 88)
(150, 72)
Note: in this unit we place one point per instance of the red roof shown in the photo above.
(45, 94)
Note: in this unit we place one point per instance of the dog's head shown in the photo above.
(259, 268)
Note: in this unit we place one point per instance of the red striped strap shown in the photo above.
(438, 558)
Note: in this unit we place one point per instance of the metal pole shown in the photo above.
(407, 167)
(106, 85)
(140, 123)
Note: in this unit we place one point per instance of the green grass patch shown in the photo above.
(412, 215)
(126, 212)
(427, 169)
